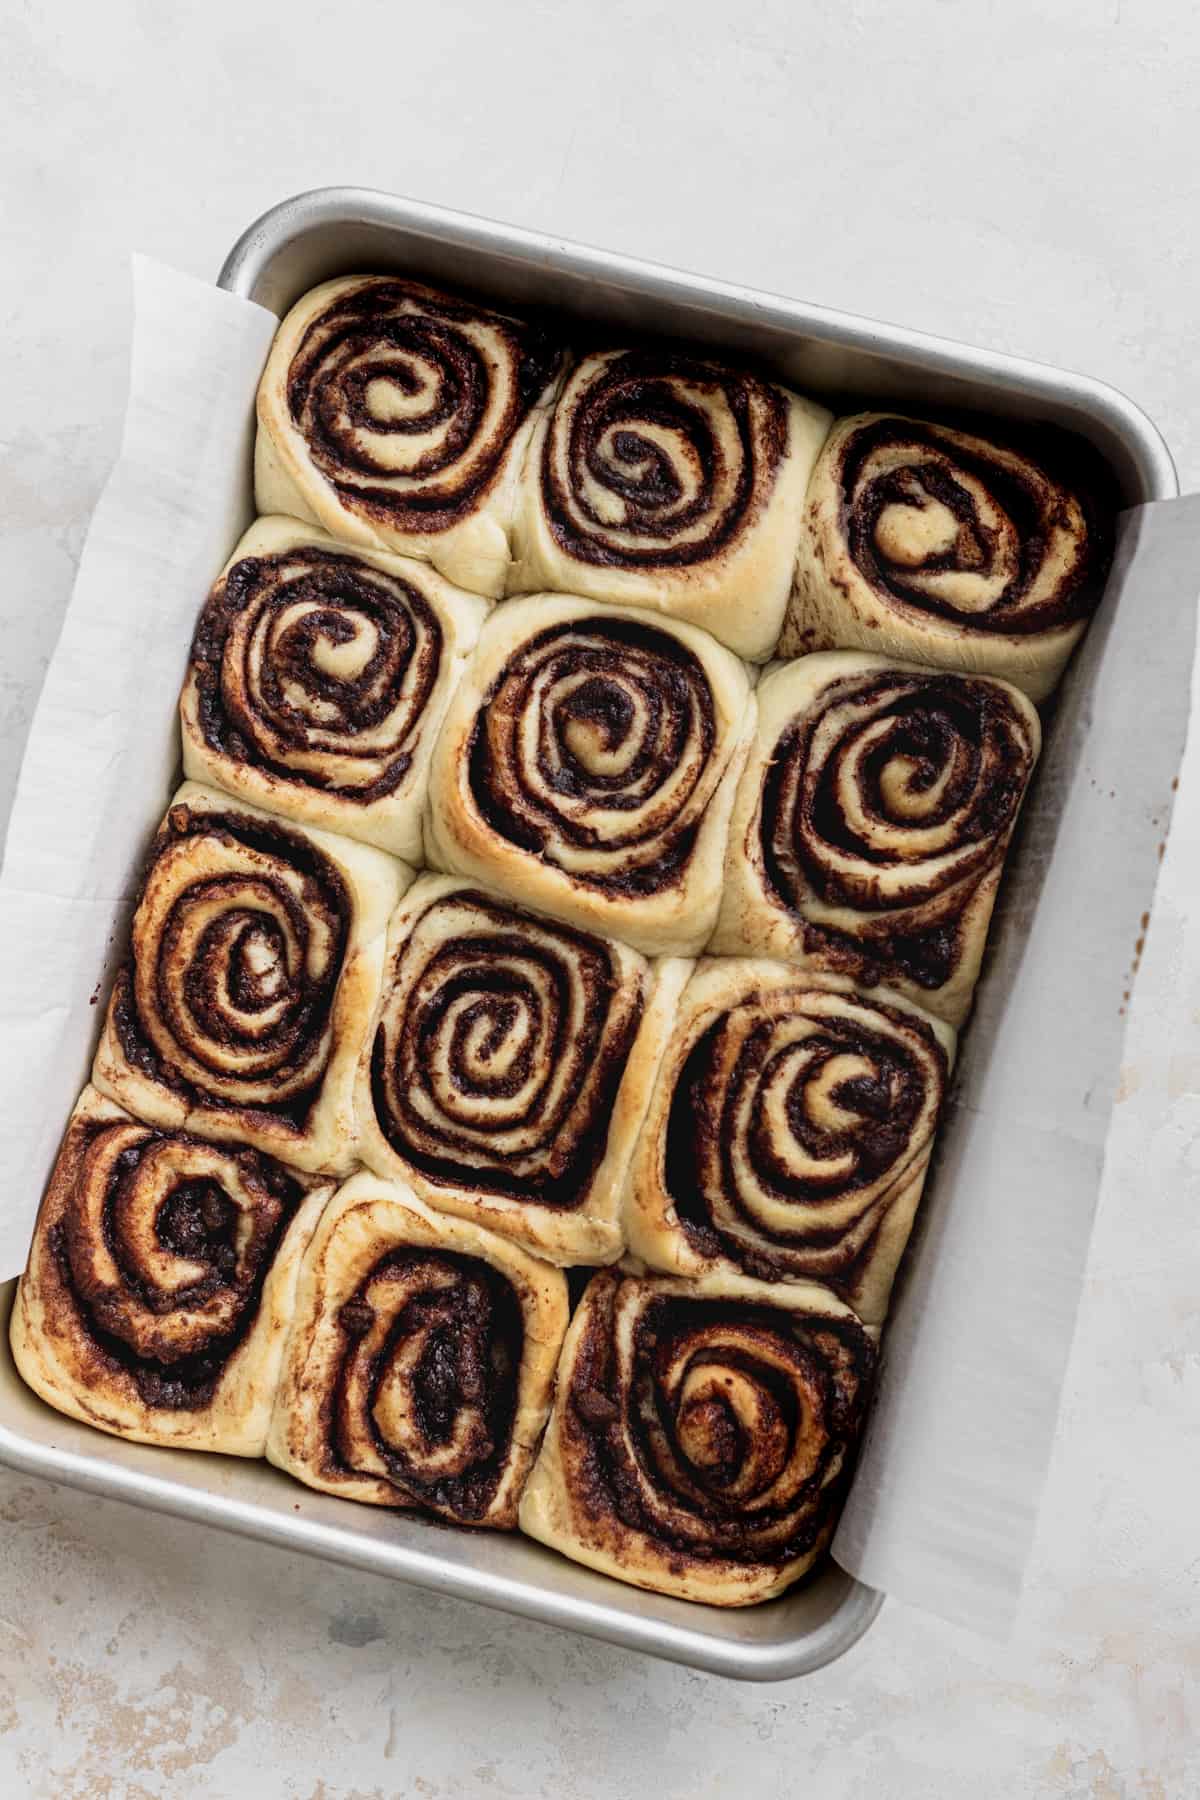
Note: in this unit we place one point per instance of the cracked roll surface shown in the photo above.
(872, 822)
(789, 1132)
(397, 416)
(255, 955)
(318, 678)
(587, 767)
(508, 1067)
(160, 1282)
(420, 1364)
(925, 542)
(701, 1442)
(667, 479)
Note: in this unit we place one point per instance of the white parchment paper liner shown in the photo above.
(103, 751)
(944, 1502)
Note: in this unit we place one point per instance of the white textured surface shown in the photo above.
(1020, 176)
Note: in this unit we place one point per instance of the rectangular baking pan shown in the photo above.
(843, 358)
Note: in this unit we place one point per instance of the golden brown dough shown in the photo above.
(420, 1365)
(872, 821)
(397, 417)
(789, 1132)
(701, 1442)
(587, 766)
(509, 1065)
(943, 547)
(318, 679)
(160, 1282)
(668, 479)
(255, 958)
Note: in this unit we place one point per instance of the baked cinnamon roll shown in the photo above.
(587, 766)
(789, 1132)
(924, 542)
(872, 821)
(160, 1282)
(667, 479)
(508, 1067)
(701, 1442)
(255, 958)
(420, 1364)
(318, 678)
(397, 417)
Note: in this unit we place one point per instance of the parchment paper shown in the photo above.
(944, 1503)
(103, 750)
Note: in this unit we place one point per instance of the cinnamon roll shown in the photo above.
(255, 959)
(925, 542)
(872, 821)
(789, 1132)
(508, 1067)
(160, 1282)
(420, 1363)
(701, 1442)
(397, 417)
(318, 678)
(665, 478)
(587, 766)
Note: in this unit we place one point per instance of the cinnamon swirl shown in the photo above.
(397, 417)
(872, 821)
(667, 479)
(789, 1132)
(701, 1442)
(587, 766)
(420, 1364)
(160, 1282)
(924, 542)
(508, 1067)
(318, 679)
(255, 958)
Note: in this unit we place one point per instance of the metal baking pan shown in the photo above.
(838, 356)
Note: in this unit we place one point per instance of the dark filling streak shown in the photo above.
(188, 1382)
(625, 404)
(253, 989)
(372, 320)
(475, 1335)
(357, 1317)
(700, 1138)
(407, 627)
(180, 1220)
(889, 1100)
(926, 958)
(220, 970)
(637, 390)
(313, 1008)
(558, 1171)
(199, 1221)
(1034, 504)
(722, 1512)
(729, 1444)
(678, 699)
(935, 720)
(608, 709)
(836, 1353)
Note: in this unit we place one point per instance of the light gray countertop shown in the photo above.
(1023, 177)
